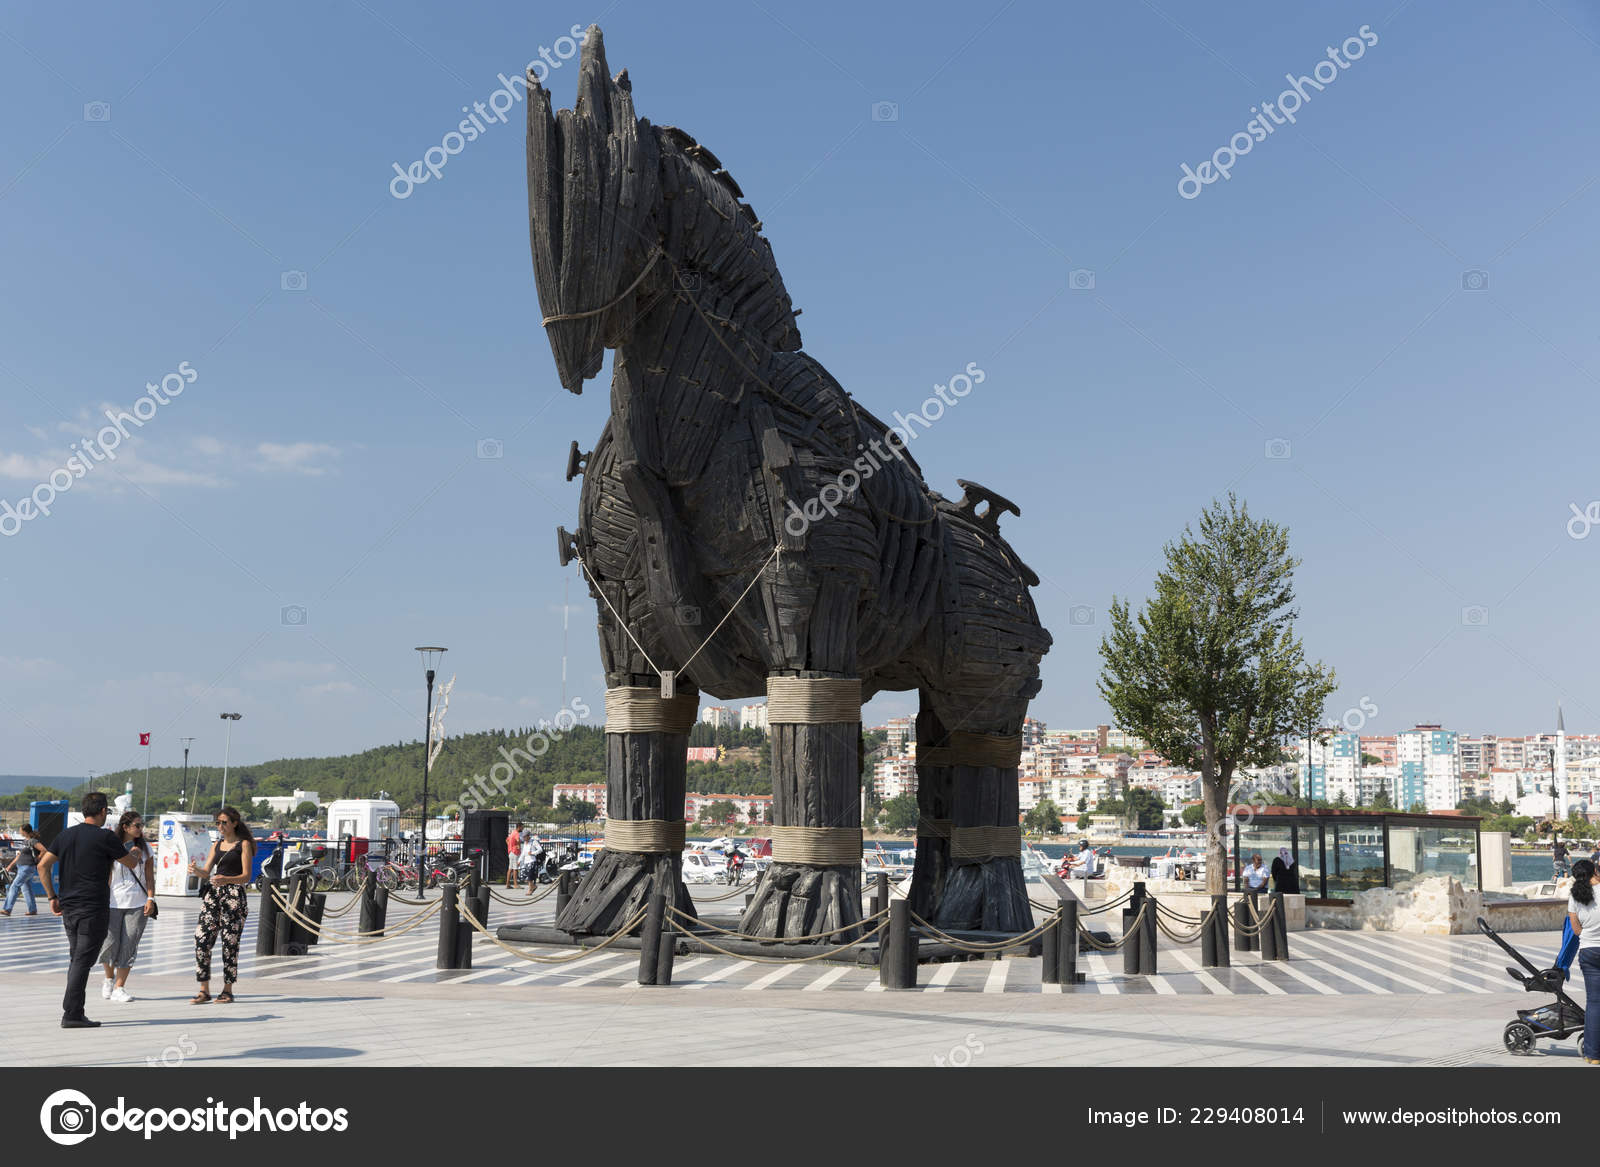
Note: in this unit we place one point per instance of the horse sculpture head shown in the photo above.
(623, 214)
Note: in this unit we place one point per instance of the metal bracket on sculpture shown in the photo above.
(577, 463)
(567, 543)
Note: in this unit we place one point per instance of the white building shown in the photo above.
(717, 717)
(286, 803)
(753, 716)
(1430, 767)
(894, 776)
(900, 730)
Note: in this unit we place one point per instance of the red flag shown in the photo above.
(144, 739)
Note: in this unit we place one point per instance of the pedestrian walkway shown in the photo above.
(1324, 964)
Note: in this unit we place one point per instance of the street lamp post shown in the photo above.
(430, 657)
(184, 790)
(230, 718)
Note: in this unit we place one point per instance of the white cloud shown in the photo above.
(27, 468)
(296, 457)
(328, 687)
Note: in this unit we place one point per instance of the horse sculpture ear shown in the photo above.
(591, 181)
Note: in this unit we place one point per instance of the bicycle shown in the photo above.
(386, 874)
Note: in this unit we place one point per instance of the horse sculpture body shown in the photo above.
(749, 527)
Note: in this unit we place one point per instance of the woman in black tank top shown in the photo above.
(223, 904)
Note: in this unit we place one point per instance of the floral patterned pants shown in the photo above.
(222, 912)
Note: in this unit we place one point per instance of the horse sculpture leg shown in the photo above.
(814, 883)
(647, 740)
(935, 794)
(984, 888)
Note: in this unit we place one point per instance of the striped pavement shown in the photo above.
(1325, 963)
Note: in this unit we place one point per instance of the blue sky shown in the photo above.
(326, 455)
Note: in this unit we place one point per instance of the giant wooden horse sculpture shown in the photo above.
(723, 438)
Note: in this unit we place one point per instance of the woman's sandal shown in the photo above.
(225, 997)
(200, 998)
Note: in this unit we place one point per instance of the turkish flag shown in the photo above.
(144, 739)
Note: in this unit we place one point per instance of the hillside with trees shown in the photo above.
(576, 756)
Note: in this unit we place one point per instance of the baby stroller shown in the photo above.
(1558, 1020)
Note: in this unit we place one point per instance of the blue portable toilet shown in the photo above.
(48, 817)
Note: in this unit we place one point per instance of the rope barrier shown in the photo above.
(1128, 933)
(516, 901)
(583, 950)
(373, 937)
(1085, 910)
(1261, 920)
(784, 959)
(778, 939)
(1016, 941)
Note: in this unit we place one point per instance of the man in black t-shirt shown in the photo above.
(86, 853)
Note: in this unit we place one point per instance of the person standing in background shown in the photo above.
(223, 904)
(86, 853)
(23, 867)
(513, 850)
(131, 906)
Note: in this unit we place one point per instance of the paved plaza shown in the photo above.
(1345, 999)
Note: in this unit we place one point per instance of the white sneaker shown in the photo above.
(121, 996)
(105, 989)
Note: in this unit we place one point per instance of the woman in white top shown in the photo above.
(1583, 913)
(130, 908)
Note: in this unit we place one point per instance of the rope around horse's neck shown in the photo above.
(625, 293)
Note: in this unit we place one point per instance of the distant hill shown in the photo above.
(16, 783)
(577, 756)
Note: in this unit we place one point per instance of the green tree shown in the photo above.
(1043, 818)
(1083, 803)
(1145, 808)
(1380, 800)
(718, 811)
(899, 814)
(1210, 673)
(306, 810)
(1370, 759)
(1342, 800)
(1194, 816)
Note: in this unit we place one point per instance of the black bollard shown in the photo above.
(267, 927)
(1242, 920)
(1280, 927)
(1130, 941)
(897, 960)
(318, 903)
(380, 901)
(880, 897)
(369, 904)
(1147, 939)
(1267, 938)
(650, 938)
(283, 926)
(563, 891)
(449, 925)
(1050, 955)
(666, 953)
(1217, 933)
(483, 905)
(1067, 950)
(749, 898)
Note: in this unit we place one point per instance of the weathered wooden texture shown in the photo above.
(985, 894)
(644, 780)
(815, 783)
(935, 798)
(725, 441)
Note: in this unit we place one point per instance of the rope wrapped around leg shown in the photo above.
(978, 843)
(813, 700)
(641, 709)
(817, 846)
(1003, 751)
(645, 836)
